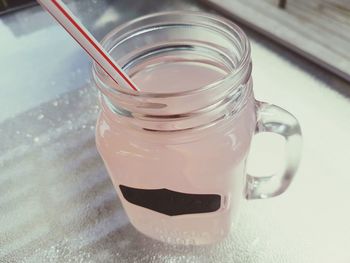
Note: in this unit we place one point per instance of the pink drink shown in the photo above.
(176, 150)
(209, 161)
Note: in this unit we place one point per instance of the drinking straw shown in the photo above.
(69, 22)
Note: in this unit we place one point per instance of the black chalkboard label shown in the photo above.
(171, 203)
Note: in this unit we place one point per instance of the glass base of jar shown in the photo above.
(194, 229)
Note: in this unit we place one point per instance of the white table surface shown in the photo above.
(57, 203)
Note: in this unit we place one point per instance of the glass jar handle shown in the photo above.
(271, 118)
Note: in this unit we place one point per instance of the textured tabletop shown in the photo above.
(57, 203)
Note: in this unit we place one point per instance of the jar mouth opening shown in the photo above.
(212, 21)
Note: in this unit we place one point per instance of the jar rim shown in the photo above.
(219, 20)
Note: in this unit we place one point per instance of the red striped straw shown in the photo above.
(67, 20)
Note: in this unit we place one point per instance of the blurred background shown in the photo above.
(57, 203)
(318, 30)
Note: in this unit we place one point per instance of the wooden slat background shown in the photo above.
(317, 29)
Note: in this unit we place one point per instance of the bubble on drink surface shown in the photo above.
(40, 116)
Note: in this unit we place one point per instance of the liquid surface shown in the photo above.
(176, 77)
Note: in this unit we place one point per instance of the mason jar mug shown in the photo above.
(176, 150)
